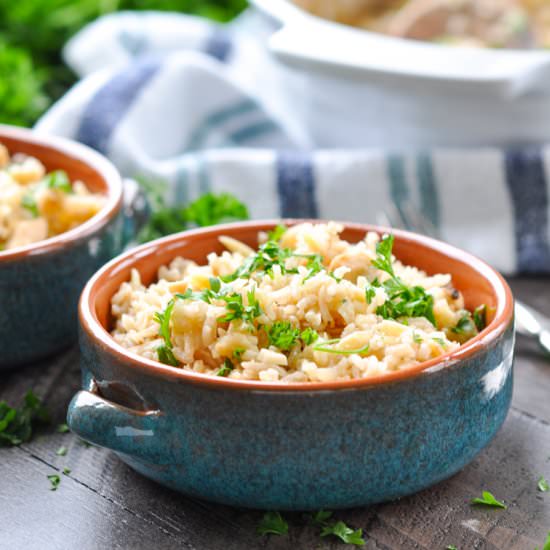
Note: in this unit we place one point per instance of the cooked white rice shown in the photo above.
(332, 302)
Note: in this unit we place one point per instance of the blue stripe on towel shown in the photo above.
(399, 190)
(427, 188)
(111, 102)
(200, 135)
(527, 185)
(296, 185)
(253, 131)
(218, 45)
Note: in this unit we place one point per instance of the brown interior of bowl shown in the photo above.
(80, 163)
(478, 282)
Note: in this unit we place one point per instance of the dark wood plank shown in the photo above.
(103, 503)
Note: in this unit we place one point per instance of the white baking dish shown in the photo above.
(365, 89)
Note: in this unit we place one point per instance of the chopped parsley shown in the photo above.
(66, 470)
(344, 533)
(29, 203)
(63, 428)
(208, 209)
(465, 325)
(480, 317)
(309, 336)
(16, 425)
(543, 485)
(164, 352)
(276, 233)
(283, 335)
(416, 338)
(272, 523)
(59, 180)
(55, 480)
(451, 547)
(321, 517)
(238, 353)
(323, 347)
(226, 368)
(62, 451)
(403, 300)
(237, 310)
(546, 543)
(440, 341)
(489, 500)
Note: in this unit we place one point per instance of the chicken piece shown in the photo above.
(28, 232)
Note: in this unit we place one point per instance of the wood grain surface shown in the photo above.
(103, 504)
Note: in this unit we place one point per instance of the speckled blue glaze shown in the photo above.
(295, 450)
(40, 294)
(40, 283)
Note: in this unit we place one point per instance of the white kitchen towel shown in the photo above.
(199, 105)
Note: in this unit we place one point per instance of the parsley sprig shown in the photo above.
(488, 499)
(403, 300)
(338, 529)
(272, 523)
(16, 425)
(283, 335)
(164, 352)
(226, 368)
(543, 485)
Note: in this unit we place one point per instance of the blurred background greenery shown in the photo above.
(33, 32)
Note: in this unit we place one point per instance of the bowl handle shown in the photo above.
(107, 424)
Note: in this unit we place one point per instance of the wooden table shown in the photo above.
(102, 504)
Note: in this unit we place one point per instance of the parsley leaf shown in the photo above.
(451, 547)
(480, 317)
(417, 339)
(66, 471)
(164, 352)
(309, 336)
(227, 367)
(59, 180)
(283, 335)
(465, 325)
(63, 428)
(55, 480)
(321, 517)
(543, 485)
(489, 500)
(440, 341)
(29, 203)
(16, 424)
(238, 352)
(237, 309)
(344, 533)
(62, 451)
(272, 523)
(403, 301)
(209, 209)
(276, 233)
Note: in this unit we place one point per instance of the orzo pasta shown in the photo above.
(306, 306)
(35, 205)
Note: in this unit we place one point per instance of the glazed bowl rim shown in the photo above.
(87, 156)
(92, 327)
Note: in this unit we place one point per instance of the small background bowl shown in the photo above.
(40, 283)
(295, 446)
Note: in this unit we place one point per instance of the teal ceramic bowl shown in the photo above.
(40, 283)
(295, 446)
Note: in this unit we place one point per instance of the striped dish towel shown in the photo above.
(177, 98)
